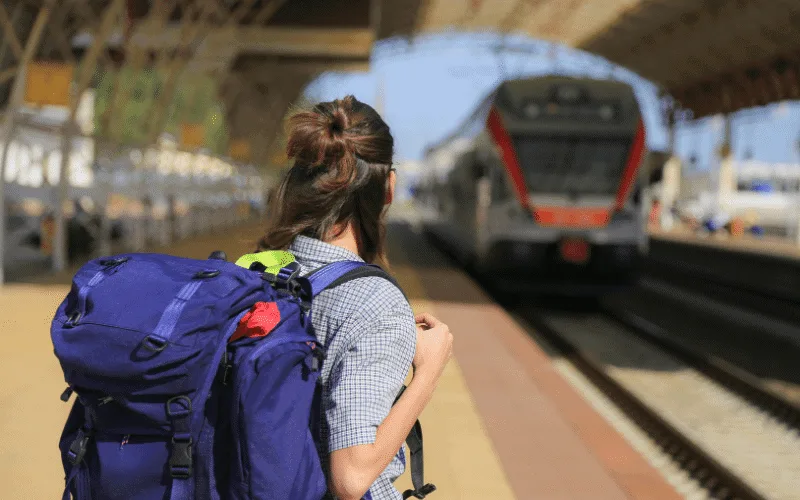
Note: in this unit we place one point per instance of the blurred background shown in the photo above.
(597, 173)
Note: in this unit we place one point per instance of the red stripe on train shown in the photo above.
(631, 167)
(588, 217)
(508, 155)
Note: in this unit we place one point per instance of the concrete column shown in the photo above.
(671, 178)
(670, 190)
(104, 179)
(726, 175)
(60, 253)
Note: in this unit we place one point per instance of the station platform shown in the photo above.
(503, 424)
(767, 245)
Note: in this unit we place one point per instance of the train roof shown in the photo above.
(537, 82)
(516, 90)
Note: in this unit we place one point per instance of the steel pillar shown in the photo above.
(88, 66)
(31, 45)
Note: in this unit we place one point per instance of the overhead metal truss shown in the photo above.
(713, 56)
(254, 49)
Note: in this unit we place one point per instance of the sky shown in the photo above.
(431, 84)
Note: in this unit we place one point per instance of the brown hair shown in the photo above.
(342, 152)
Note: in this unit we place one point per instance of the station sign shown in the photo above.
(48, 83)
(192, 135)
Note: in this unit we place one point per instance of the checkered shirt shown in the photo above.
(368, 330)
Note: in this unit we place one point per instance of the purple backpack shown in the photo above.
(168, 408)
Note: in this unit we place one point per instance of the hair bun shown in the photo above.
(319, 139)
(338, 123)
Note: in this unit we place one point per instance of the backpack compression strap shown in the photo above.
(339, 273)
(414, 442)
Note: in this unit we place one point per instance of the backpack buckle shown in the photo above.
(67, 394)
(180, 457)
(77, 450)
(422, 492)
(218, 255)
(288, 273)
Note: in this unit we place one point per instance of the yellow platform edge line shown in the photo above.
(460, 458)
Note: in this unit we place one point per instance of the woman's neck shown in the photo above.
(346, 239)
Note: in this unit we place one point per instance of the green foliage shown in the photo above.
(194, 101)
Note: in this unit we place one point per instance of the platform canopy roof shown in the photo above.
(711, 55)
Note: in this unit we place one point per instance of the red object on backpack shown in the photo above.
(262, 319)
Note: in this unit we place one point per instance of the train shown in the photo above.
(541, 187)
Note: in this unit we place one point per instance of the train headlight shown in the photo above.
(606, 112)
(533, 110)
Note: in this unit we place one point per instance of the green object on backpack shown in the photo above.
(273, 260)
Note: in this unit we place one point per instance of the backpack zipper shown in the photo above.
(124, 441)
(226, 368)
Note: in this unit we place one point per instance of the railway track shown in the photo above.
(728, 291)
(756, 338)
(732, 436)
(712, 475)
(727, 443)
(744, 384)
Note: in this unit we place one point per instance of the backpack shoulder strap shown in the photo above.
(339, 273)
(325, 276)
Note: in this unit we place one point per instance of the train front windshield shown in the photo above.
(581, 166)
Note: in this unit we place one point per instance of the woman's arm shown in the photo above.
(354, 469)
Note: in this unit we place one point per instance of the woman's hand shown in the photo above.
(434, 346)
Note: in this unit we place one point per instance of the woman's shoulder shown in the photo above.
(367, 297)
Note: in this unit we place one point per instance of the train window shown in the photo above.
(455, 190)
(499, 182)
(577, 165)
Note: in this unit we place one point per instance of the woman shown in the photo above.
(330, 207)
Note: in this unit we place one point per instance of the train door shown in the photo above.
(464, 201)
(463, 192)
(483, 204)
